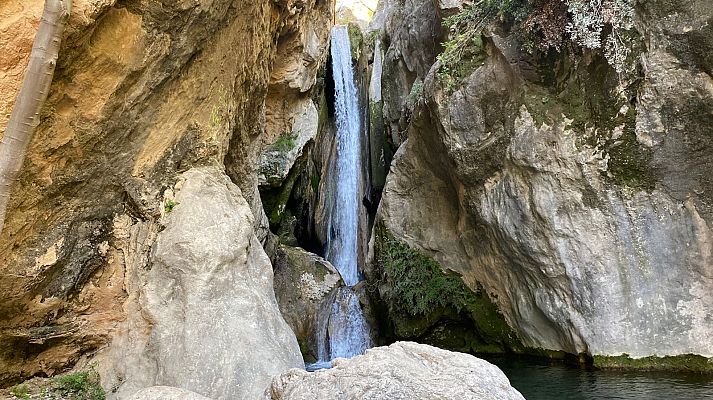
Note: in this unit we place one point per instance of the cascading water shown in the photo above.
(345, 331)
(348, 330)
(342, 247)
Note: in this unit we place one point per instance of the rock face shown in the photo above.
(207, 298)
(305, 286)
(166, 393)
(142, 92)
(414, 34)
(586, 221)
(279, 157)
(403, 370)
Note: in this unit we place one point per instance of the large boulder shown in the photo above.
(403, 370)
(305, 286)
(206, 319)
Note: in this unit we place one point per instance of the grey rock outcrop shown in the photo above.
(589, 226)
(166, 393)
(403, 370)
(414, 33)
(278, 158)
(206, 319)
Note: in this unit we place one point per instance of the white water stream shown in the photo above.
(346, 331)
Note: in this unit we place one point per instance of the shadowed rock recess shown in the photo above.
(168, 232)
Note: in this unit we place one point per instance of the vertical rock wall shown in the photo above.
(143, 91)
(582, 212)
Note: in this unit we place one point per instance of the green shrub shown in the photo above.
(541, 25)
(20, 391)
(83, 385)
(419, 291)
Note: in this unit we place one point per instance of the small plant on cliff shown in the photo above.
(416, 93)
(169, 205)
(285, 142)
(541, 25)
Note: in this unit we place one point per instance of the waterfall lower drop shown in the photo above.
(344, 328)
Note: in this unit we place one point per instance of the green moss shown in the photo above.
(419, 294)
(307, 356)
(416, 93)
(275, 200)
(285, 142)
(314, 182)
(590, 95)
(681, 363)
(419, 283)
(356, 39)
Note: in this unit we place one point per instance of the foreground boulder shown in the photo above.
(166, 393)
(404, 370)
(206, 318)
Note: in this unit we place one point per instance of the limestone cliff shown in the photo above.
(143, 91)
(577, 200)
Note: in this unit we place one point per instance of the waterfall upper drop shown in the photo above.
(344, 331)
(344, 224)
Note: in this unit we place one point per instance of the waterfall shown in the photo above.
(344, 328)
(344, 224)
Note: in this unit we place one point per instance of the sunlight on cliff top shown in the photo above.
(359, 11)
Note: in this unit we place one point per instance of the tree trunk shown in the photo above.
(35, 87)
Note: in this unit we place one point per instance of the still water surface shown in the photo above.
(540, 381)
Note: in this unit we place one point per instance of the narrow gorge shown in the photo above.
(334, 199)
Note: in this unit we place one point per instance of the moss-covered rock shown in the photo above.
(598, 107)
(680, 363)
(304, 287)
(356, 40)
(457, 64)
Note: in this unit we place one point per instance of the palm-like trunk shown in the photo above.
(35, 87)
